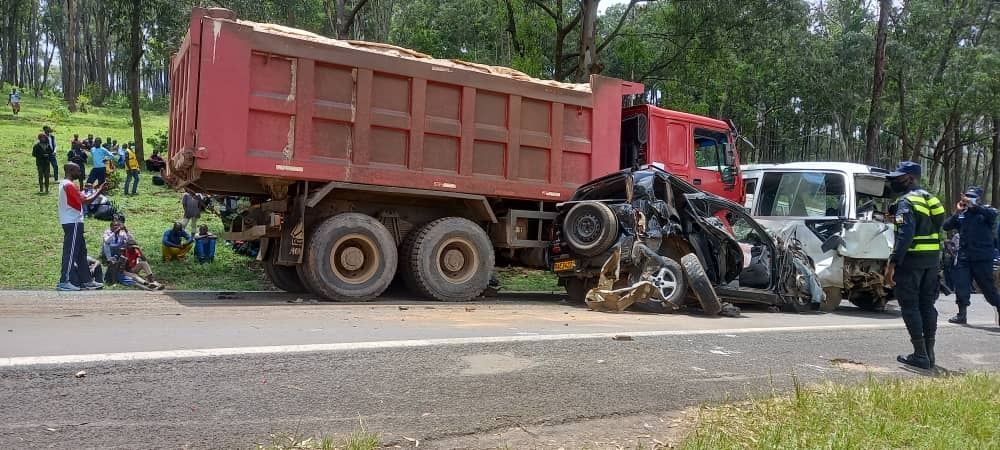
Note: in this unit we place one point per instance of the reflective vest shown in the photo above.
(929, 214)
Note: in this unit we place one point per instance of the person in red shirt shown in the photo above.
(74, 274)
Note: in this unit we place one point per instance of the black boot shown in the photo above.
(929, 344)
(960, 317)
(919, 356)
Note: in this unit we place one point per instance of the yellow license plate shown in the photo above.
(564, 265)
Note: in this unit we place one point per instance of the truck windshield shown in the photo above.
(712, 151)
(802, 194)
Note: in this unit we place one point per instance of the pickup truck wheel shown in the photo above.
(449, 259)
(285, 278)
(701, 285)
(590, 228)
(350, 257)
(834, 295)
(577, 288)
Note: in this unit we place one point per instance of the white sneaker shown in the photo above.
(67, 287)
(90, 286)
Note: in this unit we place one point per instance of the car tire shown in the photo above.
(866, 301)
(350, 257)
(834, 296)
(590, 228)
(449, 260)
(577, 288)
(701, 285)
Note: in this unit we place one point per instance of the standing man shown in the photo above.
(975, 224)
(14, 100)
(913, 266)
(41, 152)
(131, 171)
(78, 156)
(100, 155)
(193, 205)
(52, 144)
(75, 267)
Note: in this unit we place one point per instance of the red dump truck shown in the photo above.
(365, 161)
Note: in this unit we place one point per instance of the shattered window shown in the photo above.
(802, 194)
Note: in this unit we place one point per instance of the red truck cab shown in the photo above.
(699, 149)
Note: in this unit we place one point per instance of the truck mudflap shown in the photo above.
(660, 280)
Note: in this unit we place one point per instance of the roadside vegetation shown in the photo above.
(32, 238)
(927, 413)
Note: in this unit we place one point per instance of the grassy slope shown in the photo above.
(31, 238)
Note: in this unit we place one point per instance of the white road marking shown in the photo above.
(18, 361)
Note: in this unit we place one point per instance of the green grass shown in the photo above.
(514, 279)
(360, 439)
(930, 413)
(32, 238)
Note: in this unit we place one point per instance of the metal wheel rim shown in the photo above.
(587, 228)
(665, 281)
(456, 260)
(355, 258)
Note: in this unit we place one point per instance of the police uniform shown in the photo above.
(975, 225)
(916, 255)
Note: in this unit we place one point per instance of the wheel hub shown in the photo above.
(352, 258)
(588, 228)
(453, 260)
(664, 282)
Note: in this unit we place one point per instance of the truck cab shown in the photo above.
(698, 149)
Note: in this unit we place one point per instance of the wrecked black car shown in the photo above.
(647, 238)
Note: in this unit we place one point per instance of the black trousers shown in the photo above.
(74, 256)
(917, 290)
(981, 271)
(43, 174)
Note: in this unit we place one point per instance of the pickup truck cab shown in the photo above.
(837, 211)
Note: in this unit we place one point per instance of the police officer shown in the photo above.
(975, 223)
(913, 266)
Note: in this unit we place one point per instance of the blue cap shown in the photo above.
(906, 168)
(974, 192)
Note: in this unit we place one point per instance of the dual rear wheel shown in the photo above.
(353, 257)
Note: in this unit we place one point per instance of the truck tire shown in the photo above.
(350, 257)
(449, 259)
(590, 228)
(285, 278)
(701, 285)
(577, 288)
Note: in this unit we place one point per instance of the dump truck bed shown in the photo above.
(257, 100)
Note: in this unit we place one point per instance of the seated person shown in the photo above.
(115, 238)
(136, 266)
(155, 163)
(174, 245)
(204, 245)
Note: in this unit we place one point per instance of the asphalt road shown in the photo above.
(197, 371)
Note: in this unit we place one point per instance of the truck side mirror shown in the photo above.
(728, 174)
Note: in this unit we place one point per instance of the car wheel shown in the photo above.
(350, 257)
(590, 228)
(449, 259)
(669, 279)
(701, 285)
(866, 300)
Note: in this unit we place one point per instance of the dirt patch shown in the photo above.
(856, 366)
(494, 363)
(651, 431)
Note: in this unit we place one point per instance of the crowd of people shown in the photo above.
(85, 194)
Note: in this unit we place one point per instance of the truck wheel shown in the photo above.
(350, 257)
(701, 285)
(834, 295)
(590, 228)
(285, 278)
(577, 288)
(449, 259)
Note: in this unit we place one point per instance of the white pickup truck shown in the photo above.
(837, 211)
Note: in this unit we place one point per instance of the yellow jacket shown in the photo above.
(131, 162)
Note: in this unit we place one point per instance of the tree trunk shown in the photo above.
(878, 84)
(588, 38)
(69, 57)
(995, 197)
(135, 58)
